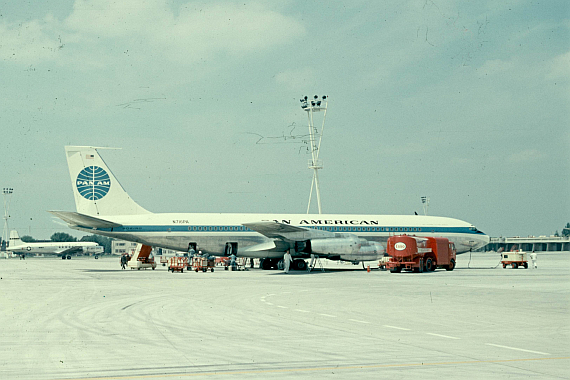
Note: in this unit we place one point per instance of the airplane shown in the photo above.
(65, 249)
(103, 207)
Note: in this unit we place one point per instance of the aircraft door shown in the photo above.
(231, 248)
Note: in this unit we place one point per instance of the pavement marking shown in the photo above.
(397, 328)
(327, 315)
(443, 336)
(517, 349)
(312, 369)
(356, 320)
(269, 303)
(302, 311)
(282, 307)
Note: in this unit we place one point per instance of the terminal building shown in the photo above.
(530, 243)
(120, 247)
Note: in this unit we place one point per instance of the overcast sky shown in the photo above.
(465, 102)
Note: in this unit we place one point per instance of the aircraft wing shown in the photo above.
(77, 219)
(275, 230)
(68, 250)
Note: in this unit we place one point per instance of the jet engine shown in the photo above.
(371, 247)
(336, 246)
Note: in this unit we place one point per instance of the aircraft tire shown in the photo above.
(299, 264)
(62, 257)
(265, 264)
(68, 257)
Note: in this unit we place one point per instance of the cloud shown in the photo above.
(295, 79)
(30, 42)
(96, 31)
(559, 67)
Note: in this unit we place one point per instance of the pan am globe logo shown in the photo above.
(93, 183)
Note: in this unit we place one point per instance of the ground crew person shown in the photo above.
(233, 261)
(286, 261)
(123, 261)
(533, 259)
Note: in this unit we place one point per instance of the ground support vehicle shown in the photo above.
(163, 260)
(223, 261)
(419, 254)
(177, 264)
(141, 258)
(382, 262)
(515, 259)
(203, 264)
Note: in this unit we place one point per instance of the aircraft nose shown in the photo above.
(483, 240)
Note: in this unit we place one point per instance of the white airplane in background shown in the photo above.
(63, 249)
(104, 208)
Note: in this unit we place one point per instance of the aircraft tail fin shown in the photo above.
(15, 239)
(95, 188)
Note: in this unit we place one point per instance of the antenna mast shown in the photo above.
(312, 106)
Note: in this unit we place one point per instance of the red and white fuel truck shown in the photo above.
(419, 254)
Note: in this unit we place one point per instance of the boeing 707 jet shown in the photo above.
(103, 207)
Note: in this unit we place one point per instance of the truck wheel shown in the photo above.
(451, 265)
(429, 265)
(181, 270)
(515, 265)
(396, 270)
(525, 265)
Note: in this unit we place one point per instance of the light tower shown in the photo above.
(315, 137)
(7, 193)
(425, 201)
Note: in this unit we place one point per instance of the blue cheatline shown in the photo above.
(93, 183)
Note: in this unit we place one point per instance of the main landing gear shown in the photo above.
(297, 264)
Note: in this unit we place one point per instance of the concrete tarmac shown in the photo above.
(88, 319)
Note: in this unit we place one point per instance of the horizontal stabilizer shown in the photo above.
(82, 220)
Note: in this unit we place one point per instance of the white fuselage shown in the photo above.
(56, 248)
(211, 232)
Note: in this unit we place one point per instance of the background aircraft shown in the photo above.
(104, 208)
(63, 249)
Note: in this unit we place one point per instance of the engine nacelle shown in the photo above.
(372, 248)
(335, 246)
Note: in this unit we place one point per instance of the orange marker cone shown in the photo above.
(368, 268)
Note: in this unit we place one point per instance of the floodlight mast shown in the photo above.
(6, 193)
(311, 106)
